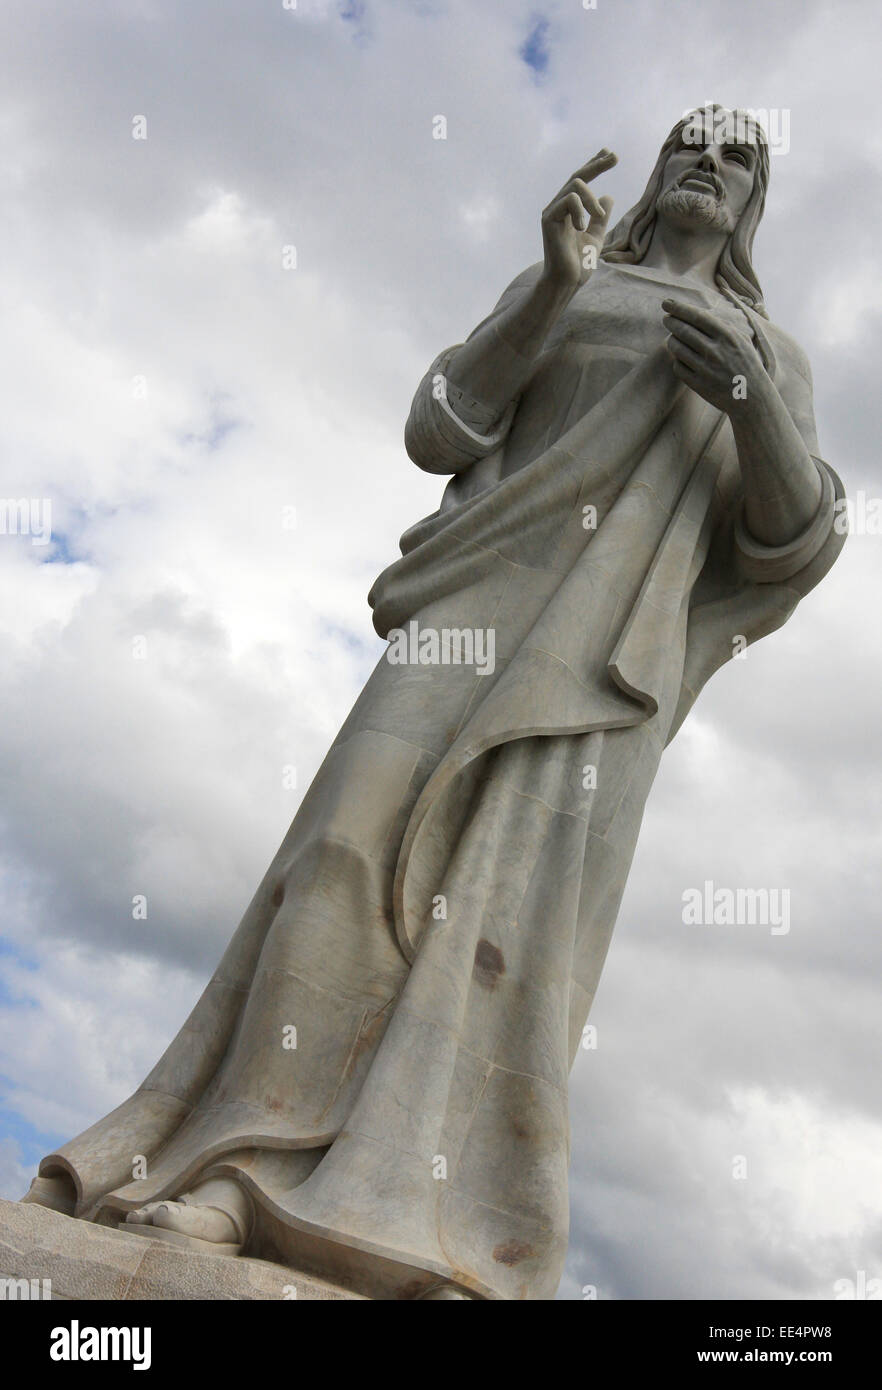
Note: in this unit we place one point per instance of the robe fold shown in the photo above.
(436, 920)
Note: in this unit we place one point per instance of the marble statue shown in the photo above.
(373, 1086)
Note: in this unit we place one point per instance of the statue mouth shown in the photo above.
(701, 183)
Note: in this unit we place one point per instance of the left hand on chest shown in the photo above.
(712, 356)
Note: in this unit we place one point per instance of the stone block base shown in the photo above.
(84, 1261)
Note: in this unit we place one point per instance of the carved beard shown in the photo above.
(684, 204)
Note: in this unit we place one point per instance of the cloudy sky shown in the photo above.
(174, 391)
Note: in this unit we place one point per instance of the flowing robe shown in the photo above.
(436, 920)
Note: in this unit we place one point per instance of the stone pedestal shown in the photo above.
(84, 1261)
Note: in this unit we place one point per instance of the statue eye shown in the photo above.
(737, 154)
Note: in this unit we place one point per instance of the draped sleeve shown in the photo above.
(447, 429)
(764, 564)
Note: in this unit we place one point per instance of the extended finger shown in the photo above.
(702, 319)
(686, 333)
(597, 164)
(602, 161)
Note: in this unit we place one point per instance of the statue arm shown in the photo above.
(465, 403)
(497, 358)
(787, 494)
(783, 487)
(792, 433)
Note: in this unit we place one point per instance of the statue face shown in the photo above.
(708, 178)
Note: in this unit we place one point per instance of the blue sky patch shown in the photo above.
(534, 50)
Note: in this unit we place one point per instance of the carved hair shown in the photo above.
(629, 240)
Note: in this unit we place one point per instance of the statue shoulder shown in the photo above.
(527, 278)
(512, 292)
(525, 281)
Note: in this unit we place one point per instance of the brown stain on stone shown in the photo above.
(512, 1252)
(489, 963)
(413, 1289)
(278, 896)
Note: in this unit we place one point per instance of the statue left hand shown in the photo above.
(719, 363)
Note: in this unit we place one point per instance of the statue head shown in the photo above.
(712, 171)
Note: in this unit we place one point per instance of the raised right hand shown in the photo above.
(574, 220)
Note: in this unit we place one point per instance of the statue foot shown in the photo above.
(204, 1223)
(58, 1193)
(217, 1215)
(143, 1216)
